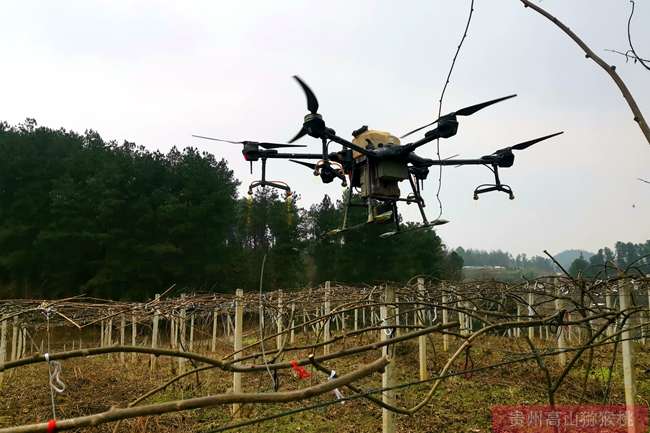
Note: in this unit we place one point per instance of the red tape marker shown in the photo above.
(300, 370)
(51, 426)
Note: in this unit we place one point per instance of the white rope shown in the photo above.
(53, 368)
(337, 393)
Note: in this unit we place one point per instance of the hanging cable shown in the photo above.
(442, 96)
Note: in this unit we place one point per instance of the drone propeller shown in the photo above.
(526, 144)
(312, 102)
(312, 106)
(462, 112)
(306, 164)
(262, 144)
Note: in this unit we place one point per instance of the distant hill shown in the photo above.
(566, 257)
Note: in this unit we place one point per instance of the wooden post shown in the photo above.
(109, 332)
(326, 334)
(292, 324)
(609, 303)
(3, 345)
(636, 294)
(627, 349)
(387, 312)
(422, 339)
(172, 331)
(356, 318)
(101, 335)
(134, 335)
(445, 320)
(397, 309)
(461, 316)
(261, 315)
(305, 319)
(122, 331)
(19, 348)
(24, 352)
(647, 323)
(229, 325)
(518, 330)
(154, 332)
(182, 327)
(215, 314)
(561, 343)
(531, 301)
(278, 322)
(191, 332)
(239, 319)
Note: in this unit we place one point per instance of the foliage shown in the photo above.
(363, 256)
(625, 254)
(535, 265)
(114, 220)
(578, 266)
(80, 214)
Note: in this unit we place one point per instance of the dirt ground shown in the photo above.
(462, 404)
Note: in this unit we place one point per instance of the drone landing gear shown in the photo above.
(491, 187)
(496, 186)
(263, 182)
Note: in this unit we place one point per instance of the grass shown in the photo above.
(462, 404)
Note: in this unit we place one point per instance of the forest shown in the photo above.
(626, 256)
(79, 214)
(606, 262)
(534, 264)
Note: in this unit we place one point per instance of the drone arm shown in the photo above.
(429, 162)
(296, 156)
(429, 137)
(343, 142)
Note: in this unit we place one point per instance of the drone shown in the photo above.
(375, 162)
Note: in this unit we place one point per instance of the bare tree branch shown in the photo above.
(200, 402)
(610, 69)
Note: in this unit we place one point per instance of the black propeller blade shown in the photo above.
(312, 102)
(463, 112)
(312, 106)
(260, 144)
(299, 135)
(527, 144)
(306, 164)
(474, 108)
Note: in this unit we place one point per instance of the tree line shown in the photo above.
(537, 265)
(607, 262)
(79, 214)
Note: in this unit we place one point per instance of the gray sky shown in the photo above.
(157, 72)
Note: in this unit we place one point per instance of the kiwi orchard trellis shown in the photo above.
(558, 318)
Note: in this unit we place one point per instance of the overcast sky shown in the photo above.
(157, 72)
